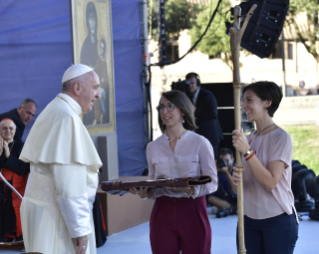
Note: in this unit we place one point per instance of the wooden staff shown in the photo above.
(235, 39)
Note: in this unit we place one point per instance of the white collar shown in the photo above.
(182, 136)
(196, 94)
(74, 105)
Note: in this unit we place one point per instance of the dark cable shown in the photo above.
(161, 64)
(220, 21)
(148, 87)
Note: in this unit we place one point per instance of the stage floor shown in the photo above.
(136, 240)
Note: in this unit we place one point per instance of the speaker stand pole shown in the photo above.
(283, 63)
(236, 34)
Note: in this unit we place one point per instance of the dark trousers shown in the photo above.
(180, 224)
(216, 151)
(277, 235)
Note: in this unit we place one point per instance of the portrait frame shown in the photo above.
(92, 45)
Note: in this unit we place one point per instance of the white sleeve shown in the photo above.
(71, 195)
(208, 167)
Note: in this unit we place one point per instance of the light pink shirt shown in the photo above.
(193, 156)
(259, 203)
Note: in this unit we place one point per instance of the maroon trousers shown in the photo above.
(180, 224)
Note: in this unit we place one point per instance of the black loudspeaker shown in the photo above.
(223, 93)
(224, 96)
(264, 27)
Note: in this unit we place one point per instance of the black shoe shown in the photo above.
(223, 212)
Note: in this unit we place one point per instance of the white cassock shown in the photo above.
(57, 206)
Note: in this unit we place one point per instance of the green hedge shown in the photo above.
(305, 140)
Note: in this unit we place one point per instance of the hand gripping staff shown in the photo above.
(236, 34)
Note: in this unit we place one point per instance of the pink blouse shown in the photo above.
(193, 156)
(258, 202)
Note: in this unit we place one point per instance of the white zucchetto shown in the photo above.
(75, 71)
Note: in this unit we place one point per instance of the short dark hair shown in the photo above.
(193, 75)
(66, 86)
(181, 101)
(27, 101)
(225, 151)
(266, 90)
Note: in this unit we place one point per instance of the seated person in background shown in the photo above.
(224, 198)
(21, 116)
(15, 172)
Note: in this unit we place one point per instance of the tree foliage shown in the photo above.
(179, 15)
(216, 42)
(307, 32)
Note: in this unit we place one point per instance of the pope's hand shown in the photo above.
(82, 243)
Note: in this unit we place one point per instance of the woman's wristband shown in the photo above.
(250, 156)
(249, 152)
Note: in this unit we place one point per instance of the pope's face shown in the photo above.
(90, 91)
(7, 130)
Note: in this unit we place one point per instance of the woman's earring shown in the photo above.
(183, 121)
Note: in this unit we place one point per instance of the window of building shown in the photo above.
(288, 47)
(277, 51)
(172, 51)
(290, 54)
(218, 56)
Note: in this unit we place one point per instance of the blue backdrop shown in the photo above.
(35, 50)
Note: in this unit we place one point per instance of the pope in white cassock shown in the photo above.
(56, 211)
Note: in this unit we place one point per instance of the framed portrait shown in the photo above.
(91, 23)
